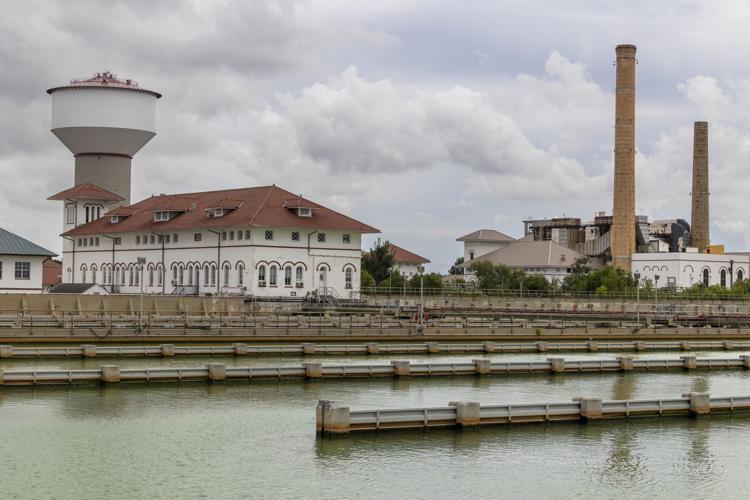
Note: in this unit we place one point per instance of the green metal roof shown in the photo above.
(12, 244)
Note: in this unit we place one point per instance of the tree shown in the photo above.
(395, 280)
(603, 280)
(491, 275)
(431, 280)
(366, 280)
(378, 261)
(455, 268)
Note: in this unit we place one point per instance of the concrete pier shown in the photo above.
(88, 351)
(216, 371)
(110, 373)
(6, 351)
(401, 368)
(463, 414)
(313, 370)
(167, 350)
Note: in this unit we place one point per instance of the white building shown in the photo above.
(547, 258)
(685, 269)
(407, 263)
(261, 241)
(482, 242)
(21, 264)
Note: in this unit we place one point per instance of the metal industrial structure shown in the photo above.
(699, 214)
(104, 121)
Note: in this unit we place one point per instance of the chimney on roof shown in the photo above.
(699, 225)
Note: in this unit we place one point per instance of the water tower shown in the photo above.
(104, 121)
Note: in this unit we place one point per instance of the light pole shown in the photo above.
(637, 277)
(141, 266)
(656, 294)
(420, 313)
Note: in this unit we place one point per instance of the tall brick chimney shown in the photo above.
(623, 207)
(699, 214)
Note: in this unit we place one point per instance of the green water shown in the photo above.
(256, 440)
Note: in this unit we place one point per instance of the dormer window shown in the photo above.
(115, 219)
(304, 212)
(162, 215)
(216, 212)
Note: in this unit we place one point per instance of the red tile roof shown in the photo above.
(86, 191)
(260, 207)
(403, 256)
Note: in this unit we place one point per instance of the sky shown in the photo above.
(425, 119)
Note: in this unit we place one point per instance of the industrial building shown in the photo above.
(669, 252)
(260, 241)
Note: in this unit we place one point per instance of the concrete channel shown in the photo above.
(371, 348)
(332, 418)
(214, 372)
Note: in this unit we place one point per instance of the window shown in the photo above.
(83, 273)
(197, 236)
(181, 279)
(160, 275)
(70, 213)
(323, 276)
(93, 274)
(197, 276)
(321, 237)
(161, 216)
(269, 234)
(247, 234)
(226, 275)
(262, 276)
(151, 276)
(240, 274)
(231, 235)
(348, 278)
(471, 255)
(304, 212)
(223, 236)
(239, 235)
(160, 238)
(137, 239)
(130, 277)
(91, 242)
(347, 238)
(298, 277)
(206, 276)
(190, 275)
(295, 235)
(85, 242)
(723, 277)
(137, 279)
(118, 241)
(288, 276)
(272, 276)
(174, 238)
(87, 213)
(96, 241)
(740, 275)
(122, 276)
(167, 237)
(213, 275)
(706, 277)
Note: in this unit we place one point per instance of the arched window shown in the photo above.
(298, 277)
(83, 273)
(137, 279)
(130, 276)
(471, 254)
(706, 277)
(206, 276)
(197, 276)
(323, 276)
(348, 278)
(723, 277)
(122, 276)
(181, 279)
(262, 275)
(227, 269)
(190, 274)
(93, 274)
(240, 274)
(150, 276)
(740, 275)
(213, 275)
(159, 275)
(272, 276)
(288, 276)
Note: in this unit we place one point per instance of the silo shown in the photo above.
(699, 234)
(623, 206)
(104, 121)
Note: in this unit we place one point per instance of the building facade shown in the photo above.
(21, 264)
(685, 269)
(482, 242)
(407, 263)
(262, 241)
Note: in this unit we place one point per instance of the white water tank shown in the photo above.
(104, 121)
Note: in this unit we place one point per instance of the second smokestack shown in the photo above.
(699, 214)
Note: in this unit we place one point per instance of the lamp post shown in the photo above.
(656, 294)
(637, 277)
(420, 313)
(141, 266)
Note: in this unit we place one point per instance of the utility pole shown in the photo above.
(637, 277)
(141, 266)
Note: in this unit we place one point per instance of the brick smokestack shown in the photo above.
(623, 207)
(699, 213)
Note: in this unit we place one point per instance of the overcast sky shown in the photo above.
(426, 119)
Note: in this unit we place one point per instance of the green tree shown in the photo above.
(378, 261)
(455, 268)
(394, 280)
(366, 279)
(491, 275)
(603, 280)
(431, 280)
